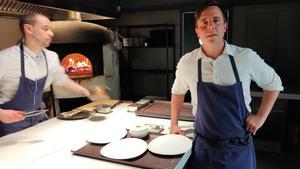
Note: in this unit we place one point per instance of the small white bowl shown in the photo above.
(139, 131)
(103, 108)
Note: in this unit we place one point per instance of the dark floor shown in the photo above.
(288, 159)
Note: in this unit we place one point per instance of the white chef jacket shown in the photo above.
(249, 65)
(35, 68)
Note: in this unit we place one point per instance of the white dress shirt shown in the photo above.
(35, 68)
(249, 65)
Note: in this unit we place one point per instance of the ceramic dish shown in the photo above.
(103, 108)
(127, 148)
(81, 115)
(139, 131)
(104, 136)
(171, 144)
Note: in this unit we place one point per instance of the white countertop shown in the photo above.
(49, 144)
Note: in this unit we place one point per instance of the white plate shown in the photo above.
(124, 149)
(171, 144)
(106, 136)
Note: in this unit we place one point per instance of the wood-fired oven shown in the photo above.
(79, 46)
(77, 66)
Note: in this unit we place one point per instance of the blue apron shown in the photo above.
(221, 141)
(28, 98)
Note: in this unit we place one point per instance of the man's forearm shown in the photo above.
(74, 87)
(255, 121)
(268, 100)
(176, 105)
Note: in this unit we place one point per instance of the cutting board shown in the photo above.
(162, 109)
(91, 105)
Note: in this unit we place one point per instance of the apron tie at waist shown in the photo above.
(245, 140)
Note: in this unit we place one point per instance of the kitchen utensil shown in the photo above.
(171, 144)
(104, 136)
(35, 112)
(127, 148)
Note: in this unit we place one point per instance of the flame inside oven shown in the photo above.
(77, 66)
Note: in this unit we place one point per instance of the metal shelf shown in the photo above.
(287, 96)
(159, 57)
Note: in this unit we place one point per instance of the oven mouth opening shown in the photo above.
(77, 65)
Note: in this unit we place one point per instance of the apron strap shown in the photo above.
(237, 78)
(22, 59)
(46, 62)
(199, 71)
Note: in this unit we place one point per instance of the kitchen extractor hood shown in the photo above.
(80, 32)
(108, 8)
(15, 8)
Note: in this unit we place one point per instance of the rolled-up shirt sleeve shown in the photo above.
(180, 85)
(57, 75)
(264, 75)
